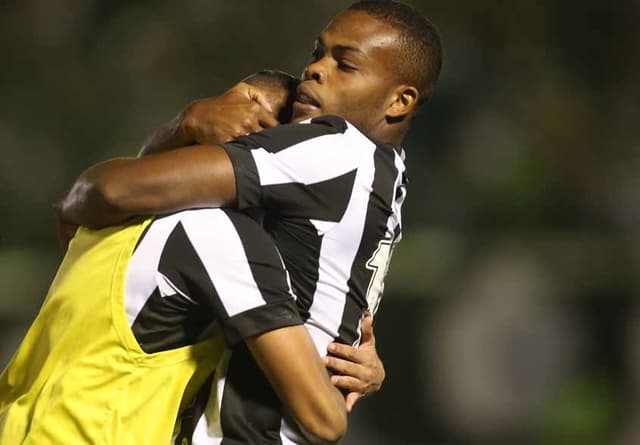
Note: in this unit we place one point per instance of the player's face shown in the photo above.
(351, 74)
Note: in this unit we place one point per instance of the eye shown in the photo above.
(345, 66)
(317, 54)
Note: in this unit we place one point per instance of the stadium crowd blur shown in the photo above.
(511, 313)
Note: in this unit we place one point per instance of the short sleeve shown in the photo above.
(303, 170)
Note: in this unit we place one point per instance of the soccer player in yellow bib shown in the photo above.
(137, 317)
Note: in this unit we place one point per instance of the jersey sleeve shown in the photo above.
(226, 264)
(303, 170)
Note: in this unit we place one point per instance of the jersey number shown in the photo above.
(378, 264)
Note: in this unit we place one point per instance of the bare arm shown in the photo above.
(111, 192)
(169, 136)
(291, 363)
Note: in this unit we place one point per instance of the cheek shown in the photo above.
(367, 100)
(357, 98)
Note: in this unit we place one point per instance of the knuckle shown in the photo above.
(369, 376)
(339, 349)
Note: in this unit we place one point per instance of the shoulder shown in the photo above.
(288, 135)
(330, 123)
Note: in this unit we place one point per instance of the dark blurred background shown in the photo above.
(511, 314)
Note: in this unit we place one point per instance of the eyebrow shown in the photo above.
(320, 42)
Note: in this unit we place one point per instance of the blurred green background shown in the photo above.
(511, 314)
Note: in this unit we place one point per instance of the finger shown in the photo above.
(239, 131)
(254, 128)
(344, 367)
(250, 126)
(344, 351)
(351, 400)
(367, 331)
(267, 120)
(228, 137)
(259, 97)
(348, 383)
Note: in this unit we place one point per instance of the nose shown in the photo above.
(315, 72)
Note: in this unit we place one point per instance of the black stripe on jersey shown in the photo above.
(272, 140)
(299, 244)
(397, 231)
(174, 321)
(378, 212)
(246, 173)
(325, 201)
(284, 136)
(335, 122)
(262, 256)
(271, 279)
(251, 412)
(168, 322)
(261, 319)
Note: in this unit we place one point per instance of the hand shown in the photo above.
(360, 370)
(241, 110)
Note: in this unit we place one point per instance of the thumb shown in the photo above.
(259, 97)
(351, 400)
(367, 331)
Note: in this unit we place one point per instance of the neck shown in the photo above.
(390, 133)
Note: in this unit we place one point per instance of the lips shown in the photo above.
(304, 96)
(306, 104)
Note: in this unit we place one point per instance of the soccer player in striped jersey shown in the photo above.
(331, 188)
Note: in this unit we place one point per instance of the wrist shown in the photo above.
(184, 127)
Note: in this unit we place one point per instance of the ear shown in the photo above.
(402, 101)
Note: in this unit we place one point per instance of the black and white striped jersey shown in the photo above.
(331, 199)
(205, 272)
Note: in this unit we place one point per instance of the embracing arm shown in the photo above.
(169, 136)
(168, 180)
(111, 192)
(291, 363)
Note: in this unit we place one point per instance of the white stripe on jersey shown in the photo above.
(143, 266)
(215, 240)
(395, 219)
(166, 288)
(218, 245)
(312, 159)
(339, 249)
(290, 436)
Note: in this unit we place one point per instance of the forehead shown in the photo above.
(357, 29)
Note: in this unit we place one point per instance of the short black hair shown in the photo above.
(270, 79)
(421, 59)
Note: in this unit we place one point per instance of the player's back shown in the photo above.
(79, 375)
